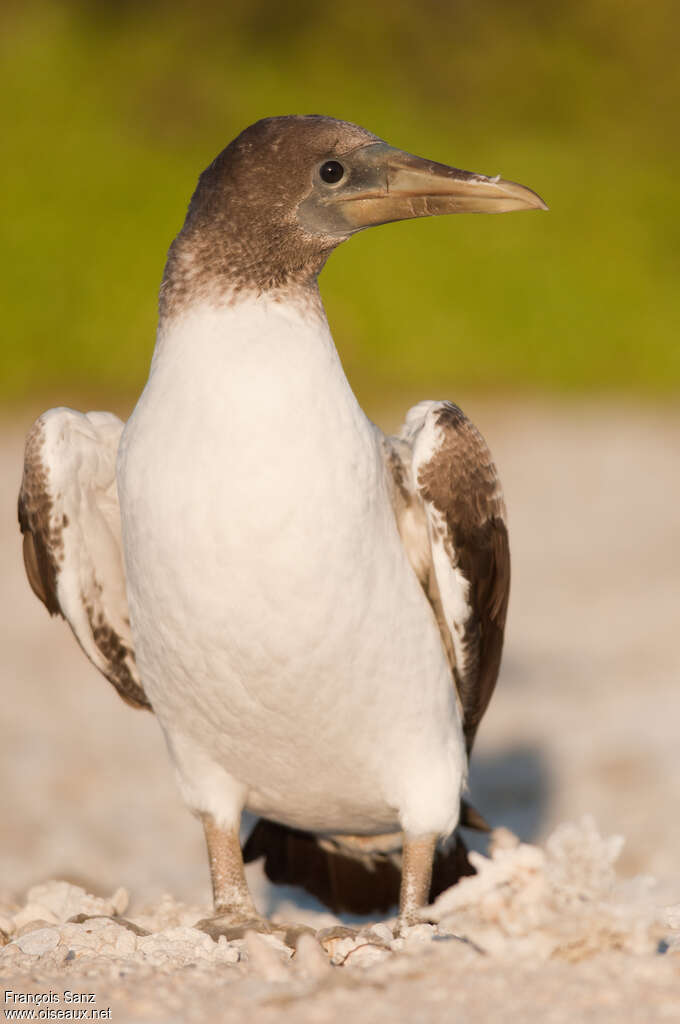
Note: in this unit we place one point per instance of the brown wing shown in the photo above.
(70, 521)
(451, 516)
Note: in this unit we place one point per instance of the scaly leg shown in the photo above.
(235, 912)
(416, 875)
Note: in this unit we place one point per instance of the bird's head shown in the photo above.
(271, 207)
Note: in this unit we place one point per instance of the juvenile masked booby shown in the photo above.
(313, 610)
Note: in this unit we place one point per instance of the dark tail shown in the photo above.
(363, 884)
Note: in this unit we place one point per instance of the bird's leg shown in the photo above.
(235, 912)
(416, 876)
(229, 886)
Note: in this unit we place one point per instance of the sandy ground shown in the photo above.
(585, 721)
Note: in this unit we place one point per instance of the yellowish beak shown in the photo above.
(383, 184)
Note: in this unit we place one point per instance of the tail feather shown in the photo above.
(471, 818)
(354, 884)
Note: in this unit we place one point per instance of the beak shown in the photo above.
(385, 184)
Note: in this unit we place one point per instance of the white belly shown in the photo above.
(285, 643)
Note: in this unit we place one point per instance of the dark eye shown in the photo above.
(331, 172)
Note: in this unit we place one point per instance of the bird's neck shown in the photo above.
(256, 391)
(260, 354)
(220, 263)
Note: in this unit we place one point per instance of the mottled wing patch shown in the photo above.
(70, 521)
(467, 579)
(42, 546)
(409, 511)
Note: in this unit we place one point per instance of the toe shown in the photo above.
(232, 927)
(291, 933)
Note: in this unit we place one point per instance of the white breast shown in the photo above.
(281, 634)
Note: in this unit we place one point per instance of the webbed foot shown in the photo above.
(329, 938)
(233, 926)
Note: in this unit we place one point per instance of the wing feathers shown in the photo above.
(35, 508)
(69, 516)
(454, 486)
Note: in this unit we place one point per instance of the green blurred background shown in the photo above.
(112, 109)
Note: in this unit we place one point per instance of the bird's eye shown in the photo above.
(331, 172)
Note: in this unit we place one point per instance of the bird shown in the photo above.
(314, 610)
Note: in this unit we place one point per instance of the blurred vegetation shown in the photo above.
(112, 109)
